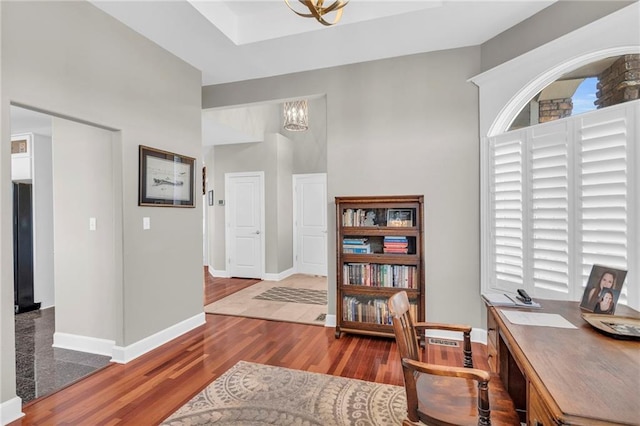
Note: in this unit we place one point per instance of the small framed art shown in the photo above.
(166, 179)
(603, 289)
(400, 217)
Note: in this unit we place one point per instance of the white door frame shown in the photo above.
(295, 217)
(227, 224)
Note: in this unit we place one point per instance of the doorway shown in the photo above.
(310, 223)
(42, 368)
(245, 218)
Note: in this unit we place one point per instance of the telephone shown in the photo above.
(523, 296)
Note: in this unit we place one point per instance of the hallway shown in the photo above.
(41, 368)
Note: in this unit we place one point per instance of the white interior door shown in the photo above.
(310, 223)
(245, 224)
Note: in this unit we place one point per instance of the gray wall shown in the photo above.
(85, 261)
(43, 288)
(407, 125)
(72, 60)
(284, 205)
(550, 23)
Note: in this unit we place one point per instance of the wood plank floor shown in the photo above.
(148, 389)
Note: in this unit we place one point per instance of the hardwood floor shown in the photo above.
(148, 389)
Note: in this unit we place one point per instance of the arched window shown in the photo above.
(599, 84)
(560, 196)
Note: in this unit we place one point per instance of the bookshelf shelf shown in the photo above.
(379, 252)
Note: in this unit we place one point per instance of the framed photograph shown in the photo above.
(166, 179)
(602, 290)
(210, 197)
(400, 217)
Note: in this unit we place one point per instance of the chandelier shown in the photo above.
(296, 116)
(318, 10)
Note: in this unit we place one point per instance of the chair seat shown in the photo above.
(454, 400)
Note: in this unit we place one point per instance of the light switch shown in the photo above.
(92, 224)
(146, 223)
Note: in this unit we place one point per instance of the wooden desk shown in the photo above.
(560, 376)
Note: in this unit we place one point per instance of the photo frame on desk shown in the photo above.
(166, 179)
(603, 290)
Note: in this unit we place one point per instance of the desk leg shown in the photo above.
(513, 380)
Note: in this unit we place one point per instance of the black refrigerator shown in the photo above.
(23, 249)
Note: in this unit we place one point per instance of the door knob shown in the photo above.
(257, 232)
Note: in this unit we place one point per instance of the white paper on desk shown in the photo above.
(537, 318)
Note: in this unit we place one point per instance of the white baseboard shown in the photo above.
(330, 321)
(267, 276)
(280, 276)
(217, 273)
(478, 335)
(83, 343)
(122, 355)
(11, 410)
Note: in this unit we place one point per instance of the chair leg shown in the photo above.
(468, 360)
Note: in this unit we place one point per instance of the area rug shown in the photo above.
(257, 394)
(298, 298)
(294, 295)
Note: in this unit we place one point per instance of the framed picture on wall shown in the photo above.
(166, 179)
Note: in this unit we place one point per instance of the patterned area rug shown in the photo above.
(256, 394)
(294, 295)
(295, 299)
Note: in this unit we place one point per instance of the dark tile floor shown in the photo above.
(41, 368)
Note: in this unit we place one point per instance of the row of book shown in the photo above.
(374, 311)
(355, 245)
(358, 217)
(375, 275)
(398, 245)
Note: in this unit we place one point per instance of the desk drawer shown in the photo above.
(537, 413)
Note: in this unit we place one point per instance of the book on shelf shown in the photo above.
(352, 248)
(355, 245)
(380, 275)
(397, 245)
(374, 311)
(359, 217)
(392, 239)
(354, 240)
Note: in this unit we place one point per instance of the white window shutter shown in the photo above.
(563, 196)
(507, 210)
(549, 207)
(603, 190)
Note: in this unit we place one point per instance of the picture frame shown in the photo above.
(166, 179)
(602, 290)
(400, 218)
(210, 197)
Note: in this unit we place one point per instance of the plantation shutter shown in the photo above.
(507, 210)
(549, 174)
(561, 200)
(603, 176)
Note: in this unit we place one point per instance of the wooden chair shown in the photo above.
(444, 395)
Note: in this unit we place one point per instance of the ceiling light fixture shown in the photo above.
(296, 116)
(317, 9)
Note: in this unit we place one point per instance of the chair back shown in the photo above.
(403, 328)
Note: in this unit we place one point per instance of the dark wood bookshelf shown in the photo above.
(367, 278)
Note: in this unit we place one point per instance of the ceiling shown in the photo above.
(235, 40)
